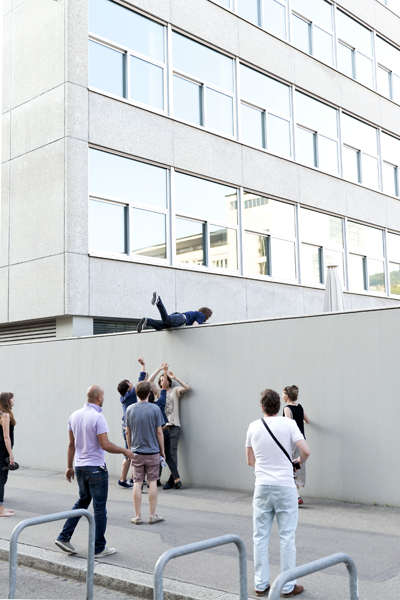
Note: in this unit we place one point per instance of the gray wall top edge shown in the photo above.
(230, 323)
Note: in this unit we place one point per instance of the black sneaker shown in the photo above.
(125, 484)
(169, 485)
(155, 298)
(158, 483)
(141, 325)
(178, 485)
(131, 481)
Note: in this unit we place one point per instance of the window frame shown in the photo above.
(313, 24)
(366, 257)
(355, 51)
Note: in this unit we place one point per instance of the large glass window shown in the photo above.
(312, 28)
(134, 67)
(355, 54)
(321, 246)
(206, 223)
(388, 69)
(265, 112)
(360, 152)
(393, 254)
(269, 239)
(317, 141)
(128, 205)
(366, 258)
(203, 85)
(390, 150)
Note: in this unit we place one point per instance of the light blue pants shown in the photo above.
(268, 501)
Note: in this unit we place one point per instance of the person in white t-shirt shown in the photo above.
(275, 491)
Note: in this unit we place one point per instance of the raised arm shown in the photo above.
(154, 375)
(184, 387)
(142, 374)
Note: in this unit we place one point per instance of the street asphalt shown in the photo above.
(369, 534)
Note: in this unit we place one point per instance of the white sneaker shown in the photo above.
(66, 546)
(105, 552)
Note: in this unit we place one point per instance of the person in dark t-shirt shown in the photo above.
(176, 319)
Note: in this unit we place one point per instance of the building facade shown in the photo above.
(221, 152)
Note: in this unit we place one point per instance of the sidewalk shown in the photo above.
(370, 534)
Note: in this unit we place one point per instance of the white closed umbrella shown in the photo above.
(334, 299)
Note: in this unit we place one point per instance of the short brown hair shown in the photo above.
(207, 312)
(291, 391)
(143, 389)
(270, 402)
(122, 387)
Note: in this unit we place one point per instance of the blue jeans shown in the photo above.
(270, 501)
(93, 483)
(167, 321)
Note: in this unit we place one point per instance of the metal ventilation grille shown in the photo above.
(35, 330)
(102, 326)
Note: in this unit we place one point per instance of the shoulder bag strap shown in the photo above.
(275, 440)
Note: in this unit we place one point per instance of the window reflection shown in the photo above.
(106, 69)
(305, 147)
(323, 45)
(311, 264)
(301, 34)
(252, 126)
(256, 254)
(107, 229)
(219, 111)
(316, 10)
(270, 216)
(205, 199)
(264, 91)
(283, 258)
(365, 240)
(223, 247)
(190, 242)
(356, 267)
(275, 18)
(148, 233)
(278, 134)
(147, 85)
(321, 229)
(248, 9)
(376, 276)
(394, 274)
(346, 60)
(187, 100)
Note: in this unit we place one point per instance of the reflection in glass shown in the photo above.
(328, 159)
(118, 177)
(359, 135)
(190, 242)
(106, 69)
(148, 233)
(390, 148)
(301, 34)
(356, 267)
(351, 164)
(248, 9)
(334, 258)
(315, 10)
(376, 276)
(311, 264)
(205, 199)
(107, 230)
(321, 229)
(275, 18)
(370, 176)
(353, 33)
(364, 70)
(256, 254)
(187, 100)
(223, 248)
(387, 55)
(393, 244)
(315, 115)
(278, 135)
(264, 91)
(346, 60)
(127, 28)
(323, 45)
(201, 62)
(305, 147)
(219, 111)
(383, 81)
(283, 258)
(394, 274)
(147, 83)
(271, 216)
(252, 126)
(366, 240)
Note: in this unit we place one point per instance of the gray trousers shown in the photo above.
(174, 433)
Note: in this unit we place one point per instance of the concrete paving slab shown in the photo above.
(370, 534)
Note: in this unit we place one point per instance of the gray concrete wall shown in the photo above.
(346, 366)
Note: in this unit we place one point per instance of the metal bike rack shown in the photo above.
(312, 567)
(197, 547)
(80, 512)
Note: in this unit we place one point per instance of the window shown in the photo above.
(128, 206)
(316, 134)
(126, 54)
(393, 254)
(269, 238)
(203, 85)
(265, 112)
(390, 150)
(268, 14)
(366, 258)
(388, 69)
(206, 223)
(312, 28)
(354, 49)
(360, 152)
(321, 246)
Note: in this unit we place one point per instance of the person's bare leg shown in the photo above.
(137, 497)
(153, 493)
(125, 469)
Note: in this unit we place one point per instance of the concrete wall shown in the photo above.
(346, 366)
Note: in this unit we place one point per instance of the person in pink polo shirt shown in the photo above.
(88, 443)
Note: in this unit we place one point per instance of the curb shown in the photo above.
(129, 581)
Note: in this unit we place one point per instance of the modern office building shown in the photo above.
(221, 152)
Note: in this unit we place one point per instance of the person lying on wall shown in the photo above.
(176, 319)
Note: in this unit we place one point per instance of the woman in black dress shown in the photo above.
(295, 411)
(7, 423)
